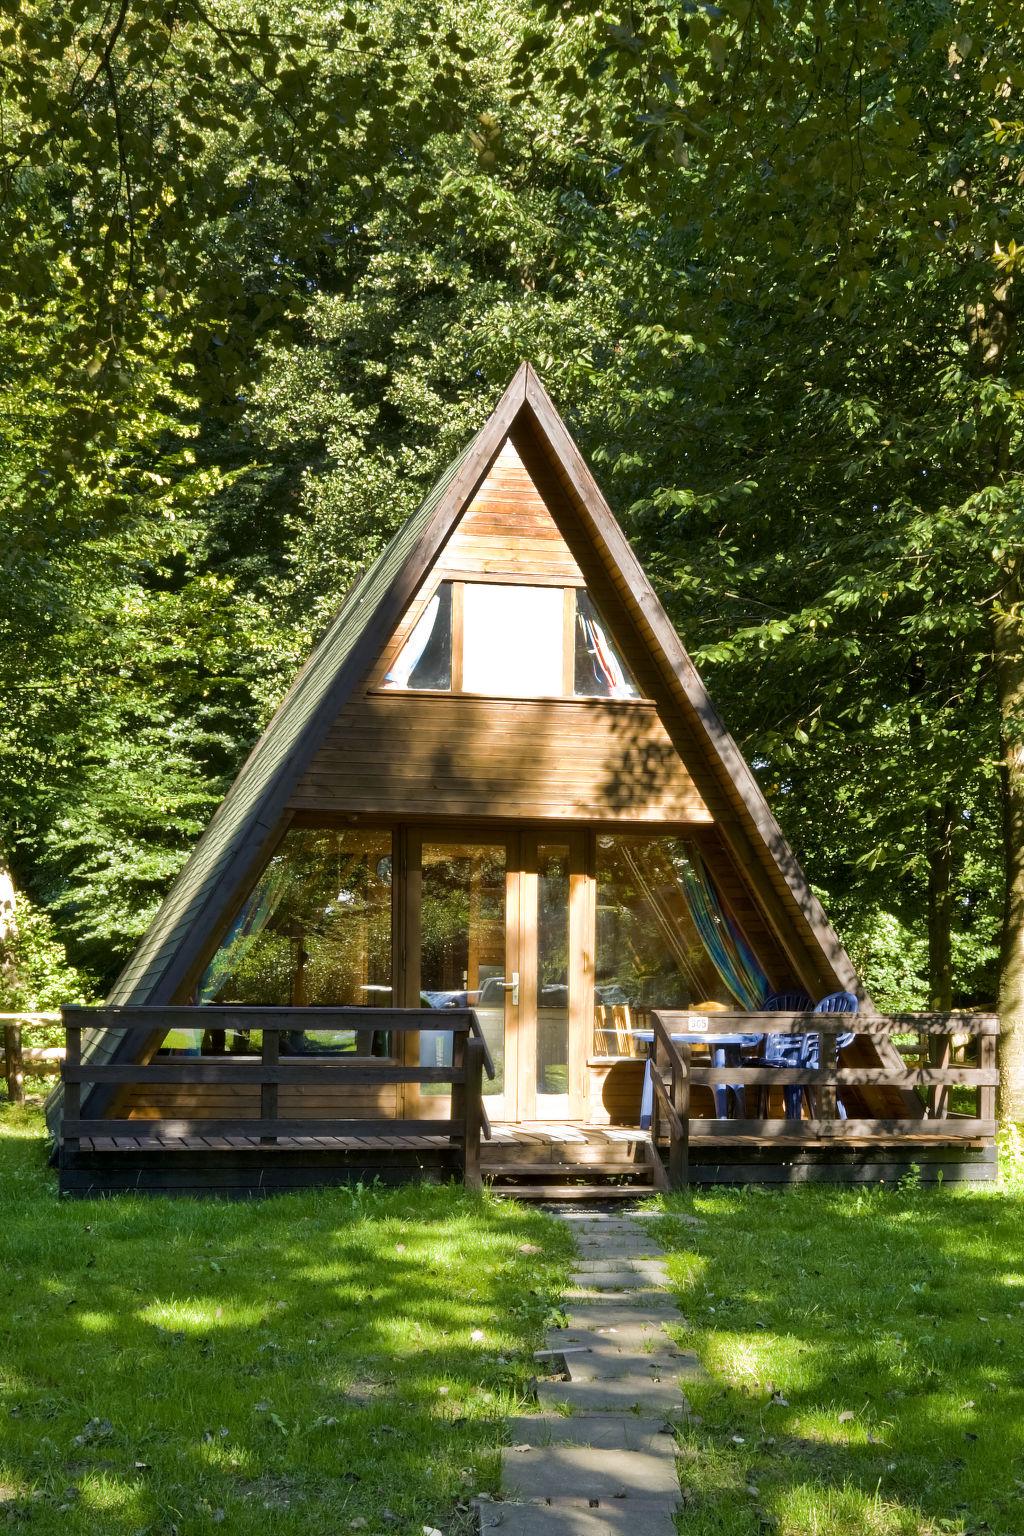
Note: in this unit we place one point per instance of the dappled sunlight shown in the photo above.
(284, 1367)
(866, 1354)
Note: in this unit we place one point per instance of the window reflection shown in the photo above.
(552, 972)
(653, 899)
(512, 640)
(315, 932)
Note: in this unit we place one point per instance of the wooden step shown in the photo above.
(570, 1191)
(612, 1168)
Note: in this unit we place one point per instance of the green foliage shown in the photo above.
(35, 975)
(765, 259)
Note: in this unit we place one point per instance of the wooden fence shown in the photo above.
(918, 1051)
(144, 1028)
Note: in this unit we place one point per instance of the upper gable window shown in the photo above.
(511, 640)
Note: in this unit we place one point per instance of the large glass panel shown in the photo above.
(462, 956)
(552, 978)
(316, 931)
(599, 670)
(462, 946)
(425, 660)
(512, 640)
(649, 951)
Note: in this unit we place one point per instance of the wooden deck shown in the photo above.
(538, 1160)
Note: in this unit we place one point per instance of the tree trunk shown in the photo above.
(1008, 644)
(941, 823)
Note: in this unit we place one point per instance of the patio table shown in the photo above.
(725, 1052)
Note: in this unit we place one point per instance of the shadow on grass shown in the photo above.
(312, 1363)
(866, 1360)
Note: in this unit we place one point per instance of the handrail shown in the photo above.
(868, 1025)
(466, 1123)
(935, 1071)
(476, 1030)
(672, 1098)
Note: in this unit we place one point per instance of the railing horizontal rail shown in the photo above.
(864, 1077)
(953, 1128)
(685, 1021)
(310, 1020)
(239, 1126)
(218, 1069)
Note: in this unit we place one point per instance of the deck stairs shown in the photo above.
(559, 1162)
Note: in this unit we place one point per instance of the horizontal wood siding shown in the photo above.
(508, 530)
(445, 755)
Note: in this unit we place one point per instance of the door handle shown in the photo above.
(513, 987)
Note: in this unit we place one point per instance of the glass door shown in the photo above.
(465, 932)
(500, 923)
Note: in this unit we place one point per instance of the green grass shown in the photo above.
(322, 1363)
(866, 1360)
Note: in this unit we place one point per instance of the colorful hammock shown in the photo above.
(721, 935)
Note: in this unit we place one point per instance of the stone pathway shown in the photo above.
(609, 1467)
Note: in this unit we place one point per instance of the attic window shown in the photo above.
(599, 670)
(425, 660)
(512, 640)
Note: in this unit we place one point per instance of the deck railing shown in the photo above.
(916, 1051)
(146, 1026)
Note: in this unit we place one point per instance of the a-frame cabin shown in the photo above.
(499, 784)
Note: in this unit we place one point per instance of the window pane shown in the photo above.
(425, 660)
(315, 932)
(552, 972)
(600, 671)
(462, 957)
(649, 953)
(512, 640)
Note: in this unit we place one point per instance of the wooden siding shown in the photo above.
(508, 530)
(406, 755)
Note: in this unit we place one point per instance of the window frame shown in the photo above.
(458, 585)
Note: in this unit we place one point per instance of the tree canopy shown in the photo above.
(262, 275)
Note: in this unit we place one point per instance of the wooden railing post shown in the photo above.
(271, 1055)
(940, 1055)
(472, 1113)
(459, 1044)
(14, 1069)
(679, 1146)
(827, 1102)
(72, 1109)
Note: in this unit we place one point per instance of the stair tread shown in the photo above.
(571, 1191)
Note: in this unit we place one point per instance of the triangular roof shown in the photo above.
(235, 845)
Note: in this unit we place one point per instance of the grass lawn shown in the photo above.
(866, 1354)
(317, 1363)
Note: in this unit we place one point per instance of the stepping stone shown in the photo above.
(593, 1367)
(543, 1473)
(632, 1307)
(614, 1395)
(619, 1517)
(614, 1432)
(611, 1349)
(630, 1264)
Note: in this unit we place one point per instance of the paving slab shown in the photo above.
(649, 1265)
(584, 1472)
(641, 1337)
(593, 1367)
(618, 1432)
(614, 1395)
(607, 1310)
(619, 1517)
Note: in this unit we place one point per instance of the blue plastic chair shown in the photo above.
(835, 1002)
(784, 1050)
